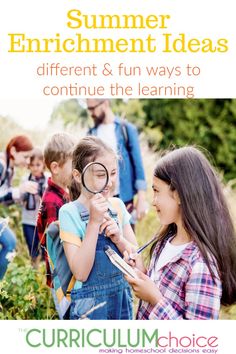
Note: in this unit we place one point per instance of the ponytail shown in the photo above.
(74, 189)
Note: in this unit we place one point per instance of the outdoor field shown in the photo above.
(162, 124)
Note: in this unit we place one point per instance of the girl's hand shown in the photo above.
(29, 187)
(144, 288)
(111, 229)
(97, 209)
(136, 261)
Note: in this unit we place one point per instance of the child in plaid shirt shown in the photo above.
(58, 159)
(193, 265)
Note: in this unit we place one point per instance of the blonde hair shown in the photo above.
(59, 148)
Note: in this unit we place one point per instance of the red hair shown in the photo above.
(20, 143)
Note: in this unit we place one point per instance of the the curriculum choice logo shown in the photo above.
(117, 340)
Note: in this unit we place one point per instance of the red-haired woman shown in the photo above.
(17, 154)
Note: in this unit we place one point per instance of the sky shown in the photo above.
(29, 114)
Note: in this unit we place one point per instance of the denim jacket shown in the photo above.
(131, 171)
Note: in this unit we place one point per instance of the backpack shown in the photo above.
(62, 277)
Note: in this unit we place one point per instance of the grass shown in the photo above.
(38, 304)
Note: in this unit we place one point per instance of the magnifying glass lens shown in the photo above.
(95, 177)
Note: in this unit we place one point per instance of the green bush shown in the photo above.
(23, 292)
(210, 123)
(23, 295)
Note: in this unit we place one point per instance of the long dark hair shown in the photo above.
(204, 210)
(87, 150)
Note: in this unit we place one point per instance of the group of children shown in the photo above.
(193, 261)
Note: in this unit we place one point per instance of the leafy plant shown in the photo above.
(23, 294)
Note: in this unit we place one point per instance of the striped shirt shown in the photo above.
(187, 288)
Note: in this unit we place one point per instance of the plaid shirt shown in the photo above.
(53, 199)
(187, 287)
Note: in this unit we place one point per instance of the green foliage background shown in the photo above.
(210, 123)
(23, 292)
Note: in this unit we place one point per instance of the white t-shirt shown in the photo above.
(106, 132)
(168, 253)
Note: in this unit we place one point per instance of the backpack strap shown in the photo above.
(123, 125)
(84, 214)
(115, 211)
(53, 230)
(125, 133)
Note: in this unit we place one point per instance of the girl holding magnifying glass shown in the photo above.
(88, 224)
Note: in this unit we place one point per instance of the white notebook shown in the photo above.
(120, 263)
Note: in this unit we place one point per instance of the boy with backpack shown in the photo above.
(58, 159)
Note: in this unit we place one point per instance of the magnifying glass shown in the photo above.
(94, 177)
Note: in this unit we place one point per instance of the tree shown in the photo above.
(70, 112)
(210, 123)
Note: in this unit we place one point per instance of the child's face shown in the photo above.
(64, 172)
(166, 202)
(97, 179)
(36, 167)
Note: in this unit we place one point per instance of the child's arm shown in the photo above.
(26, 186)
(136, 261)
(124, 220)
(144, 288)
(202, 296)
(123, 243)
(81, 254)
(129, 234)
(126, 244)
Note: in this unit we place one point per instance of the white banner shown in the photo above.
(142, 48)
(118, 337)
